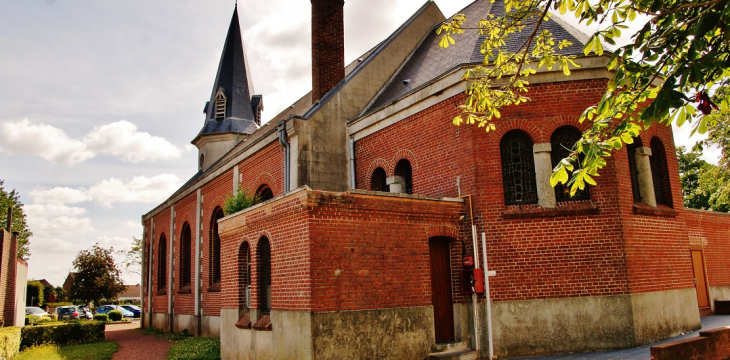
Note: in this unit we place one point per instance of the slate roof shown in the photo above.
(234, 78)
(429, 62)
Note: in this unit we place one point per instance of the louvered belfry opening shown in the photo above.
(518, 169)
(328, 46)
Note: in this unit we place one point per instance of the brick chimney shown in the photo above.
(328, 46)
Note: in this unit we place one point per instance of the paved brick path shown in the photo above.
(133, 345)
(644, 352)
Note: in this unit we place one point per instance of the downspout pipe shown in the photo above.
(352, 164)
(287, 153)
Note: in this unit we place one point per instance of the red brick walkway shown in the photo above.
(133, 345)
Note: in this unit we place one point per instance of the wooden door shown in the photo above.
(698, 266)
(443, 307)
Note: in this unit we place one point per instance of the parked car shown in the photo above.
(134, 309)
(36, 311)
(71, 312)
(105, 309)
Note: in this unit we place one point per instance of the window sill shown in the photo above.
(264, 324)
(563, 208)
(244, 322)
(661, 210)
(215, 287)
(162, 292)
(184, 290)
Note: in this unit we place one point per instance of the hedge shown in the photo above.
(115, 315)
(101, 317)
(9, 342)
(72, 332)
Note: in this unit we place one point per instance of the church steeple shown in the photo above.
(232, 110)
(233, 80)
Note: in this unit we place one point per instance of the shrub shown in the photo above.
(9, 342)
(101, 317)
(195, 348)
(73, 332)
(239, 201)
(115, 315)
(43, 320)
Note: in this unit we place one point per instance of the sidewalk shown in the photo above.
(643, 352)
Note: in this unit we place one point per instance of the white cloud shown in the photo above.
(121, 139)
(141, 189)
(42, 140)
(59, 195)
(133, 224)
(59, 226)
(50, 210)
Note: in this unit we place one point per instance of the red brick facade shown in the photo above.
(339, 251)
(8, 256)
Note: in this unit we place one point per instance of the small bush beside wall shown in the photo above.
(101, 317)
(9, 342)
(115, 315)
(73, 332)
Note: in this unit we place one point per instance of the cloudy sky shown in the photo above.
(99, 100)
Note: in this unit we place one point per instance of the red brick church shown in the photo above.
(375, 208)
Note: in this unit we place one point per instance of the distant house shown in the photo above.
(45, 283)
(69, 282)
(133, 292)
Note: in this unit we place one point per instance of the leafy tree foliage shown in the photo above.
(97, 275)
(133, 258)
(663, 76)
(19, 222)
(704, 186)
(719, 129)
(60, 294)
(34, 294)
(47, 291)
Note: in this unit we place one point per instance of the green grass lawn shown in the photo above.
(195, 348)
(94, 351)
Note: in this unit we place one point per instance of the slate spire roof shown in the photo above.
(234, 78)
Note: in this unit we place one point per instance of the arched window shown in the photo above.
(561, 143)
(660, 173)
(518, 168)
(631, 150)
(185, 255)
(215, 247)
(264, 193)
(201, 163)
(378, 181)
(264, 275)
(162, 263)
(244, 275)
(403, 169)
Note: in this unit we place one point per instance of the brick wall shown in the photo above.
(284, 223)
(371, 252)
(339, 251)
(162, 227)
(711, 230)
(8, 256)
(184, 303)
(581, 248)
(710, 345)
